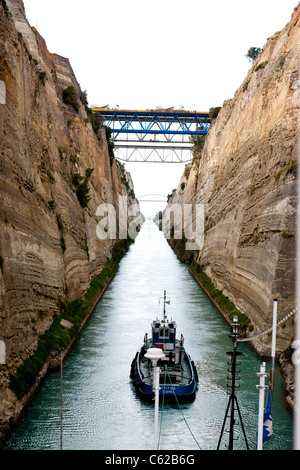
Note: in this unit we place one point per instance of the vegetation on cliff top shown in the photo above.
(110, 144)
(253, 53)
(69, 98)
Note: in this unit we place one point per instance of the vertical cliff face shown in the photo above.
(54, 173)
(246, 178)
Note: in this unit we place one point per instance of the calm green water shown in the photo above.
(100, 407)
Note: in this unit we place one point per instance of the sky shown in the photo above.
(140, 55)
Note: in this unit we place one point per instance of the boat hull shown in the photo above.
(170, 391)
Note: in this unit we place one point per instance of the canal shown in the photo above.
(101, 410)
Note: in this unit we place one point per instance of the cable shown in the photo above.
(283, 320)
(167, 373)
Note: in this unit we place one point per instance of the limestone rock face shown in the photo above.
(246, 179)
(49, 247)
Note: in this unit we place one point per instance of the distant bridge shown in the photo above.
(158, 135)
(141, 198)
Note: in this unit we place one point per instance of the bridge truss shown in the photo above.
(163, 136)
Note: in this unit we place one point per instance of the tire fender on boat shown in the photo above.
(195, 371)
(133, 371)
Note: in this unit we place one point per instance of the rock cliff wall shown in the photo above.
(50, 154)
(245, 176)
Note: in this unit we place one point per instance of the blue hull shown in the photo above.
(168, 390)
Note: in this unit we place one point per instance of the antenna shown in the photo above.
(165, 302)
(233, 399)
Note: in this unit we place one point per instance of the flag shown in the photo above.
(268, 422)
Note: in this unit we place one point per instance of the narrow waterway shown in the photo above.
(100, 407)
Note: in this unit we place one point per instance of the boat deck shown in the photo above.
(179, 374)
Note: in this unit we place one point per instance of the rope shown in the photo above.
(167, 373)
(283, 320)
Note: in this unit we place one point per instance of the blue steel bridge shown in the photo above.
(154, 135)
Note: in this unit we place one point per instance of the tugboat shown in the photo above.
(178, 377)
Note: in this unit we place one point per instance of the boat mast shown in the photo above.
(165, 317)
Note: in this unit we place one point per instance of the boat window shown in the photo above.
(164, 332)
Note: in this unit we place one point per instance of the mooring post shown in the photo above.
(155, 354)
(273, 350)
(261, 387)
(61, 397)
